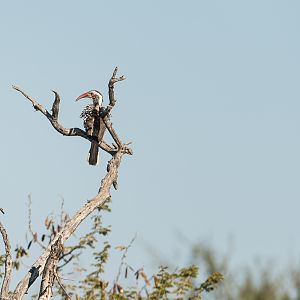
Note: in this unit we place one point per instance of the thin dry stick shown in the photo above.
(112, 131)
(70, 254)
(58, 279)
(112, 102)
(144, 288)
(123, 258)
(111, 93)
(62, 210)
(30, 225)
(8, 264)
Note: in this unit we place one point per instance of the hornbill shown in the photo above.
(92, 122)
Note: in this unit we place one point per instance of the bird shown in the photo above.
(93, 124)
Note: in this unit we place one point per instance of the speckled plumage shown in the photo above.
(92, 122)
(88, 115)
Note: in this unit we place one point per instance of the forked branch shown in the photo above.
(53, 118)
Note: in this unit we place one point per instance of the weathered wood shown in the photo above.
(55, 106)
(49, 272)
(61, 129)
(8, 264)
(98, 201)
(46, 264)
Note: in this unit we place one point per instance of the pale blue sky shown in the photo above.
(211, 104)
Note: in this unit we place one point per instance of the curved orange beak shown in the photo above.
(84, 95)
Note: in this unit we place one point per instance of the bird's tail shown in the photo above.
(93, 156)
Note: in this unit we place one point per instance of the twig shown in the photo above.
(30, 225)
(62, 210)
(112, 102)
(61, 285)
(112, 131)
(123, 259)
(71, 251)
(66, 261)
(8, 264)
(144, 287)
(111, 93)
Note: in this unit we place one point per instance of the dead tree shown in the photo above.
(46, 264)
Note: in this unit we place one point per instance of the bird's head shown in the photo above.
(96, 97)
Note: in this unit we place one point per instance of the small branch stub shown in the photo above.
(55, 107)
(111, 93)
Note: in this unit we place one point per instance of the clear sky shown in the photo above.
(211, 104)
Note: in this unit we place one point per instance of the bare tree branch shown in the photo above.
(112, 131)
(57, 126)
(53, 118)
(111, 93)
(112, 102)
(49, 255)
(98, 201)
(8, 264)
